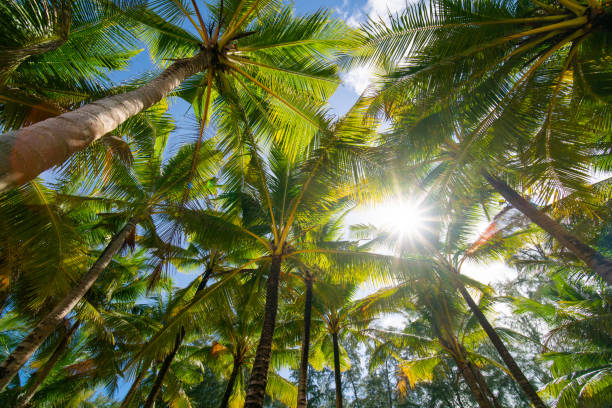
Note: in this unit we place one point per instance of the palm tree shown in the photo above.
(265, 209)
(235, 329)
(441, 330)
(447, 251)
(502, 84)
(136, 196)
(249, 44)
(577, 344)
(335, 309)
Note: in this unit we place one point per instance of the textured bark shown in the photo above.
(484, 387)
(302, 400)
(27, 347)
(27, 152)
(39, 376)
(178, 341)
(600, 264)
(468, 375)
(161, 375)
(230, 384)
(503, 352)
(135, 385)
(256, 389)
(337, 373)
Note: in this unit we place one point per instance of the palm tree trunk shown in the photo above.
(27, 152)
(137, 381)
(39, 376)
(600, 264)
(27, 347)
(468, 375)
(302, 400)
(159, 380)
(337, 374)
(256, 389)
(505, 355)
(230, 384)
(388, 383)
(484, 387)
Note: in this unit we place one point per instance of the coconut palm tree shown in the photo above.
(448, 250)
(577, 344)
(135, 195)
(501, 95)
(439, 331)
(251, 44)
(265, 208)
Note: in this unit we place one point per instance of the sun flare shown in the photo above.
(401, 216)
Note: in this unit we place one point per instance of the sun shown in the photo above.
(402, 216)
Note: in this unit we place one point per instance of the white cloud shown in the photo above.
(358, 79)
(380, 8)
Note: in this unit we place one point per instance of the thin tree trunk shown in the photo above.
(337, 374)
(302, 400)
(256, 389)
(505, 355)
(39, 376)
(357, 403)
(484, 387)
(159, 380)
(388, 383)
(161, 375)
(230, 384)
(13, 363)
(467, 374)
(600, 264)
(27, 152)
(137, 381)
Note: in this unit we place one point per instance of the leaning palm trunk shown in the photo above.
(503, 352)
(27, 152)
(13, 363)
(256, 390)
(39, 376)
(130, 395)
(230, 384)
(484, 387)
(302, 400)
(161, 375)
(468, 375)
(600, 264)
(337, 374)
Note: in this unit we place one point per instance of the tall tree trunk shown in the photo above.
(159, 380)
(388, 383)
(256, 389)
(27, 152)
(356, 403)
(600, 264)
(302, 400)
(468, 375)
(505, 355)
(337, 373)
(230, 384)
(484, 387)
(39, 376)
(27, 347)
(137, 381)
